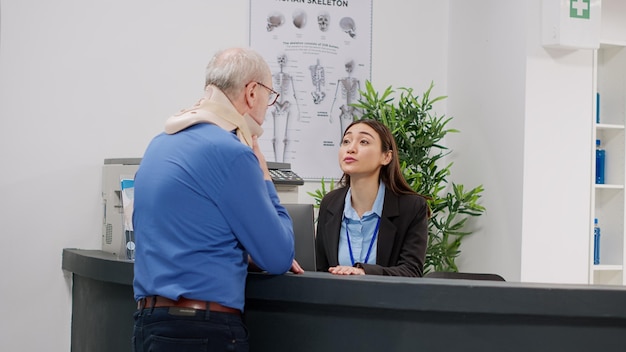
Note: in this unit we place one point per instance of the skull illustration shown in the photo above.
(299, 18)
(348, 26)
(323, 20)
(349, 66)
(281, 59)
(274, 20)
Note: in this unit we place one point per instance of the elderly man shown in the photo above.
(205, 208)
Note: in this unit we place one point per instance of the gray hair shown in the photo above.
(231, 69)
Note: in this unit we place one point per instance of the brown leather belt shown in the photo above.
(160, 301)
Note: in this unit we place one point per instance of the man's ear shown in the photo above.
(251, 94)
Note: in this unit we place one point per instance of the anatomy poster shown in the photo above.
(319, 52)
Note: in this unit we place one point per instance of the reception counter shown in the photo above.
(322, 312)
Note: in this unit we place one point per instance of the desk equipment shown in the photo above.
(283, 175)
(286, 181)
(304, 233)
(116, 237)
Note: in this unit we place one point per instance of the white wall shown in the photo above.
(525, 118)
(557, 160)
(84, 81)
(486, 99)
(80, 82)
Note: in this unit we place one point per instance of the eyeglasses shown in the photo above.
(273, 94)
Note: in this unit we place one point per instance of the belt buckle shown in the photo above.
(182, 311)
(141, 304)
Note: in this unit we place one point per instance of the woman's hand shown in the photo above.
(345, 270)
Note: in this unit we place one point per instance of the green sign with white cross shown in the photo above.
(579, 8)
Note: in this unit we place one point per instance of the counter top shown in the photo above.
(408, 294)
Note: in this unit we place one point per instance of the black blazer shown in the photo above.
(402, 235)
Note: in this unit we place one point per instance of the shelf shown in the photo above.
(607, 126)
(609, 200)
(607, 267)
(612, 44)
(608, 186)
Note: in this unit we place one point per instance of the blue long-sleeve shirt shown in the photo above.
(201, 206)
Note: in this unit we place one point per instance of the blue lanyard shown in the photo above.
(369, 250)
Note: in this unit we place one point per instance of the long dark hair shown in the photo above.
(390, 174)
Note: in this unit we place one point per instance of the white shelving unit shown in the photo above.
(609, 199)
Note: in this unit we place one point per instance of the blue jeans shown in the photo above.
(182, 330)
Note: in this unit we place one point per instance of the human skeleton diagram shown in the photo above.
(350, 87)
(317, 75)
(283, 84)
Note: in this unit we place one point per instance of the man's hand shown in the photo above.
(296, 268)
(261, 157)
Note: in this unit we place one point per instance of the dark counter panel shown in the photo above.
(322, 312)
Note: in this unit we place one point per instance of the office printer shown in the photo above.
(117, 239)
(285, 181)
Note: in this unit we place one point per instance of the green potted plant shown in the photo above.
(418, 132)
